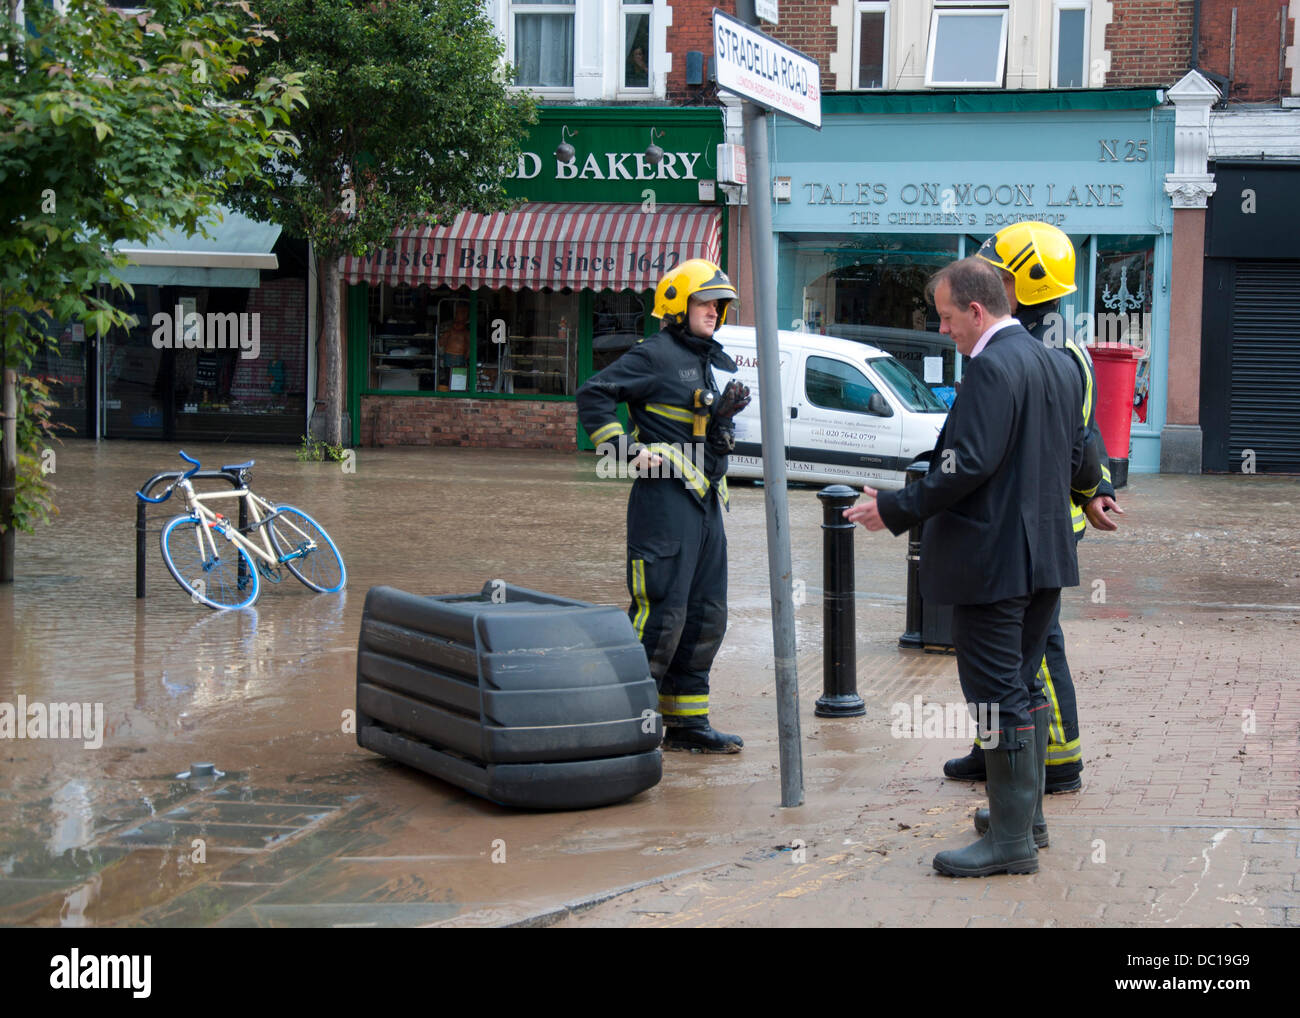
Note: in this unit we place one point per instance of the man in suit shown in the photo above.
(997, 543)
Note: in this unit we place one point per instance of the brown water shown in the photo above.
(262, 692)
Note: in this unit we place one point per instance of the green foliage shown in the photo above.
(113, 127)
(409, 109)
(316, 451)
(34, 500)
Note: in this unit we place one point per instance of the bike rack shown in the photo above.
(141, 507)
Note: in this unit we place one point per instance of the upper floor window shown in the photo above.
(871, 44)
(1070, 44)
(543, 42)
(636, 46)
(968, 45)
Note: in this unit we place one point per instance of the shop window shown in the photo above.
(871, 288)
(1069, 44)
(968, 46)
(532, 346)
(1123, 300)
(619, 321)
(636, 46)
(240, 370)
(871, 44)
(543, 43)
(420, 338)
(834, 385)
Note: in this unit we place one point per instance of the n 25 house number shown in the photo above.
(1111, 149)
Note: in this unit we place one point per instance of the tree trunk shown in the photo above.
(332, 333)
(8, 476)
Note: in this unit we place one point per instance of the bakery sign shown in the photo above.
(616, 155)
(608, 166)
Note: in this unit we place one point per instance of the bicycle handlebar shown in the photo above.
(185, 476)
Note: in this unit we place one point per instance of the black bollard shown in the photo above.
(839, 697)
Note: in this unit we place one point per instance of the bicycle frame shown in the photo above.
(195, 505)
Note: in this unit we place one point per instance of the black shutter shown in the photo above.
(1264, 413)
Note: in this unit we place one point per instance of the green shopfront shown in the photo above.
(895, 186)
(479, 332)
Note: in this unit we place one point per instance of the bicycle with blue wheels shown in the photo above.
(222, 565)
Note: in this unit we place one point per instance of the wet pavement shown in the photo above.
(1183, 639)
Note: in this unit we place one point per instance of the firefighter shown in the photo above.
(1037, 263)
(676, 548)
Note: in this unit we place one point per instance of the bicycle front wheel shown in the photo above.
(306, 550)
(227, 579)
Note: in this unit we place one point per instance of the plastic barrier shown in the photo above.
(517, 696)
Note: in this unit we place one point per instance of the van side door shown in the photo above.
(844, 424)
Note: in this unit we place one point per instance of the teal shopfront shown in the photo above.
(895, 186)
(480, 331)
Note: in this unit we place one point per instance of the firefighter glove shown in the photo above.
(734, 398)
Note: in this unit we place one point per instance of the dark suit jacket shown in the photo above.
(996, 500)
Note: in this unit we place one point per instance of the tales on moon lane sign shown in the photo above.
(765, 71)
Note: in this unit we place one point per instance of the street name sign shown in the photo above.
(766, 72)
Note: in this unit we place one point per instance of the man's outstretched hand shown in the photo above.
(1097, 510)
(866, 512)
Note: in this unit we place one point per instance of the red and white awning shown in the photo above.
(548, 245)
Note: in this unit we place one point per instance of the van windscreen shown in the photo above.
(907, 387)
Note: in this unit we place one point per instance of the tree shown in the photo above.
(112, 128)
(410, 122)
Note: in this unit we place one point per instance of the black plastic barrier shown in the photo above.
(517, 696)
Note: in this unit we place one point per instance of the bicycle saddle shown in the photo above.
(239, 466)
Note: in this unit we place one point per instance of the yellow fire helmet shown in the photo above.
(697, 277)
(1038, 255)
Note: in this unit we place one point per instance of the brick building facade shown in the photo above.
(1254, 57)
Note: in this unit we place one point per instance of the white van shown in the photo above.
(853, 414)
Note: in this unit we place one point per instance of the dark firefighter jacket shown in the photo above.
(658, 379)
(1044, 323)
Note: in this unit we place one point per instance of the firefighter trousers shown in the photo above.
(677, 577)
(1064, 752)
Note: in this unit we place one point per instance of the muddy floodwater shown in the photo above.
(299, 826)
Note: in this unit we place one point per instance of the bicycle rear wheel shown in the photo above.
(306, 550)
(219, 582)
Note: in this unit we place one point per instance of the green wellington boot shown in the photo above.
(1008, 847)
(1041, 722)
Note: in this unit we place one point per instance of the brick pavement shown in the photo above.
(1185, 820)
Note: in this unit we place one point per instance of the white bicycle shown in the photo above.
(221, 565)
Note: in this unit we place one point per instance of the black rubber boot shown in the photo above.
(700, 738)
(1008, 847)
(1059, 783)
(966, 768)
(1041, 722)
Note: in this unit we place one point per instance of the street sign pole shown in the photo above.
(773, 424)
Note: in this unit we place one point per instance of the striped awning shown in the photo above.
(548, 245)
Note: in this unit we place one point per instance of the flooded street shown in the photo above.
(303, 827)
